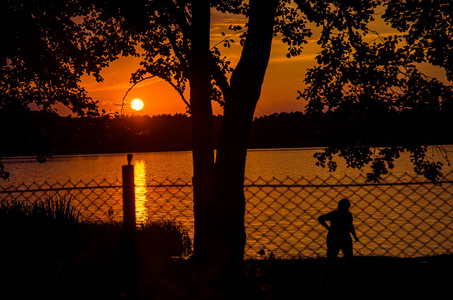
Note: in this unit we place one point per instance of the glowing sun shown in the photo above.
(137, 104)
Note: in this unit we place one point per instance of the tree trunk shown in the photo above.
(219, 202)
(202, 128)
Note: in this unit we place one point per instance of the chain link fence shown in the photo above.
(402, 216)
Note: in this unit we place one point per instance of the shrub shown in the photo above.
(42, 228)
(36, 239)
(163, 238)
(155, 239)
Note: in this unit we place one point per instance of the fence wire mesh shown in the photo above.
(401, 216)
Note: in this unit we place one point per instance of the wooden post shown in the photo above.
(129, 222)
(129, 196)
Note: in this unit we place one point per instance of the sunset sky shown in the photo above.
(283, 79)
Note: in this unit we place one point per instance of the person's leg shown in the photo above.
(333, 250)
(348, 256)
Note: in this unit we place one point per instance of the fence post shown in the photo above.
(129, 196)
(129, 223)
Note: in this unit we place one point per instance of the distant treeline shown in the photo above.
(24, 132)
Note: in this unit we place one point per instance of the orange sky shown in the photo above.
(283, 79)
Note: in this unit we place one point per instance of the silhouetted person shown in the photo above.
(340, 230)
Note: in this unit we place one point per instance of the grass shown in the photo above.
(35, 239)
(51, 210)
(307, 278)
(173, 239)
(374, 277)
(48, 253)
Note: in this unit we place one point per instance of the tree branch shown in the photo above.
(127, 92)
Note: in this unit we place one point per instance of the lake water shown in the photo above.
(267, 163)
(280, 219)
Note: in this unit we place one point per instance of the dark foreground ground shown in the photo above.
(46, 254)
(374, 278)
(44, 259)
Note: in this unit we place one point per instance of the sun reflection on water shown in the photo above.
(140, 191)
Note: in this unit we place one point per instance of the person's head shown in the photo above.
(344, 204)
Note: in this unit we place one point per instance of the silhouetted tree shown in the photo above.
(47, 47)
(364, 79)
(352, 75)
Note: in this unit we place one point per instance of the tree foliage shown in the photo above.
(362, 74)
(49, 46)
